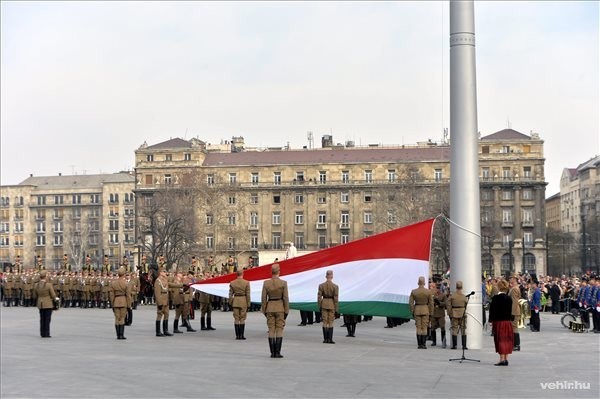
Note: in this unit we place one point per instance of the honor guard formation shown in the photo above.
(515, 303)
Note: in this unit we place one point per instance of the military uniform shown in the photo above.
(239, 300)
(275, 306)
(515, 295)
(177, 299)
(457, 304)
(438, 318)
(187, 299)
(161, 295)
(421, 306)
(205, 311)
(327, 300)
(120, 298)
(8, 289)
(45, 295)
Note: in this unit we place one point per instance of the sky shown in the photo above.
(84, 84)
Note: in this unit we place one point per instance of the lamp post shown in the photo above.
(584, 241)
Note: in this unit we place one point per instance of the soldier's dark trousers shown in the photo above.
(202, 323)
(318, 317)
(45, 317)
(464, 341)
(209, 324)
(433, 335)
(443, 338)
(585, 318)
(535, 321)
(176, 329)
(303, 318)
(517, 342)
(454, 341)
(129, 317)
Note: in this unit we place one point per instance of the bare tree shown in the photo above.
(76, 239)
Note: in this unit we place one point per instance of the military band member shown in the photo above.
(239, 300)
(40, 263)
(327, 300)
(421, 306)
(18, 265)
(438, 318)
(46, 299)
(120, 298)
(456, 307)
(515, 294)
(161, 295)
(106, 265)
(88, 263)
(275, 306)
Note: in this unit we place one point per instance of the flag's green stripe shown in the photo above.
(367, 308)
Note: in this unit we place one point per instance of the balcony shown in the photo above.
(344, 225)
(253, 227)
(321, 226)
(527, 223)
(507, 223)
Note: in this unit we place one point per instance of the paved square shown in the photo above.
(83, 359)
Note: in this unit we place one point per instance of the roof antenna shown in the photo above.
(508, 124)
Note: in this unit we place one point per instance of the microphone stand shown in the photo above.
(463, 322)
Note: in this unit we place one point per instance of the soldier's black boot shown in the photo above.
(202, 323)
(158, 332)
(419, 344)
(272, 346)
(242, 328)
(278, 342)
(237, 331)
(464, 342)
(208, 324)
(188, 325)
(122, 331)
(118, 330)
(166, 329)
(517, 343)
(433, 337)
(443, 339)
(424, 340)
(176, 329)
(454, 340)
(331, 335)
(349, 328)
(325, 335)
(353, 331)
(428, 336)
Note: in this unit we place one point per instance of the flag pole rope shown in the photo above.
(446, 218)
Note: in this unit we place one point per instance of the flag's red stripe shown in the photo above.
(410, 242)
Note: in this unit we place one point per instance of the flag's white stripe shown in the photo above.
(383, 280)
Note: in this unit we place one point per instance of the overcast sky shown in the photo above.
(83, 85)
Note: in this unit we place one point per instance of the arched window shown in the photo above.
(487, 264)
(529, 262)
(506, 264)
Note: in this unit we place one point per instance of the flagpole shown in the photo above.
(465, 232)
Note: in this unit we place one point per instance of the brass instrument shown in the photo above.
(524, 306)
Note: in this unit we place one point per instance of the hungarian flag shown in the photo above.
(375, 274)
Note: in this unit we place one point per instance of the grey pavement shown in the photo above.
(83, 359)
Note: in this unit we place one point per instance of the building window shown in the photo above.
(94, 212)
(528, 239)
(41, 200)
(18, 227)
(321, 198)
(322, 177)
(322, 239)
(485, 149)
(299, 218)
(93, 239)
(527, 194)
(486, 195)
(437, 174)
(95, 199)
(528, 217)
(40, 227)
(168, 179)
(58, 226)
(299, 198)
(58, 240)
(209, 242)
(277, 178)
(344, 197)
(210, 179)
(322, 218)
(232, 178)
(254, 178)
(344, 238)
(527, 171)
(40, 240)
(113, 225)
(276, 240)
(231, 243)
(187, 157)
(368, 217)
(129, 224)
(391, 175)
(345, 219)
(368, 176)
(254, 241)
(507, 216)
(299, 240)
(506, 173)
(253, 218)
(277, 198)
(58, 214)
(507, 239)
(368, 196)
(168, 157)
(231, 219)
(209, 219)
(300, 177)
(507, 195)
(276, 218)
(254, 198)
(128, 198)
(485, 173)
(150, 158)
(345, 176)
(58, 199)
(231, 199)
(391, 217)
(94, 225)
(4, 227)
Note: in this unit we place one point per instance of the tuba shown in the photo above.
(524, 306)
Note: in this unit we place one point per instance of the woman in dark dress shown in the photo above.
(500, 316)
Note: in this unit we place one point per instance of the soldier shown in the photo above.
(106, 265)
(40, 263)
(239, 300)
(456, 306)
(210, 263)
(27, 289)
(162, 263)
(161, 295)
(144, 265)
(421, 306)
(18, 265)
(65, 266)
(515, 295)
(535, 306)
(438, 318)
(177, 297)
(187, 298)
(88, 263)
(275, 306)
(132, 295)
(46, 299)
(205, 311)
(327, 300)
(8, 289)
(120, 298)
(125, 264)
(230, 264)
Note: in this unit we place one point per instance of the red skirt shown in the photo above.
(503, 337)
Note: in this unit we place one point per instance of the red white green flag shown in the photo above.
(375, 274)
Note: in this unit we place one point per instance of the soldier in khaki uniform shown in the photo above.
(120, 298)
(239, 300)
(132, 295)
(275, 306)
(421, 306)
(456, 307)
(327, 300)
(40, 263)
(46, 297)
(205, 311)
(27, 289)
(8, 289)
(177, 298)
(187, 299)
(18, 265)
(161, 295)
(438, 317)
(515, 294)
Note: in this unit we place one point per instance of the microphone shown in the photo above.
(472, 293)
